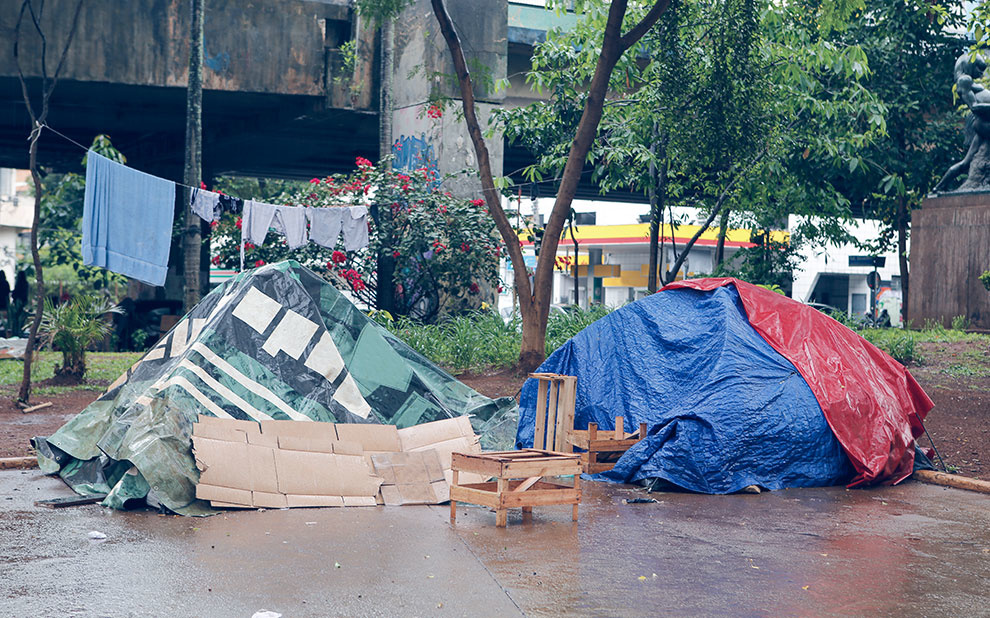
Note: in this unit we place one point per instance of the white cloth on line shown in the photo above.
(355, 228)
(325, 225)
(255, 221)
(205, 204)
(290, 221)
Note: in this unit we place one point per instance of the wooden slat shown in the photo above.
(539, 437)
(552, 417)
(460, 493)
(527, 483)
(565, 415)
(527, 469)
(541, 498)
(619, 433)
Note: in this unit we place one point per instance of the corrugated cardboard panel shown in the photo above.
(302, 429)
(307, 443)
(295, 500)
(227, 423)
(441, 491)
(456, 445)
(223, 494)
(268, 500)
(419, 436)
(300, 472)
(360, 501)
(410, 478)
(261, 461)
(229, 505)
(377, 438)
(222, 463)
(354, 477)
(263, 439)
(342, 447)
(219, 432)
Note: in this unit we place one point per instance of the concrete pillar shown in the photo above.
(423, 71)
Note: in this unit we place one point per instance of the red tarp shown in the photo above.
(872, 403)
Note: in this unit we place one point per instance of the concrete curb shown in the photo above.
(18, 463)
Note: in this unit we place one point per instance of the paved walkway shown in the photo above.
(913, 550)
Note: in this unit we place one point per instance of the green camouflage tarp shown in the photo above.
(277, 342)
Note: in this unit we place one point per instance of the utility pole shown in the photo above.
(193, 172)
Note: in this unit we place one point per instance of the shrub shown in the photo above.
(899, 344)
(960, 322)
(72, 327)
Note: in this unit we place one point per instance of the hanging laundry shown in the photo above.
(228, 204)
(119, 202)
(206, 204)
(325, 225)
(290, 221)
(355, 228)
(255, 222)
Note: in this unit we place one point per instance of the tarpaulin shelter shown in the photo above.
(739, 386)
(277, 342)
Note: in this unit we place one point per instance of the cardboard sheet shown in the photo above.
(287, 464)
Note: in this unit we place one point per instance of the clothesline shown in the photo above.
(479, 193)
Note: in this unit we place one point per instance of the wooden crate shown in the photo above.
(603, 448)
(555, 398)
(518, 481)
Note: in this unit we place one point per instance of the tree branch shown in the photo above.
(636, 33)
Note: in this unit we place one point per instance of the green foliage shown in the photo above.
(482, 340)
(899, 344)
(748, 106)
(985, 279)
(960, 322)
(73, 326)
(437, 251)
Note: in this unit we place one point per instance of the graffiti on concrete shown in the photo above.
(411, 152)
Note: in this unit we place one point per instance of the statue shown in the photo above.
(969, 68)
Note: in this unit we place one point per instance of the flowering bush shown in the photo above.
(428, 251)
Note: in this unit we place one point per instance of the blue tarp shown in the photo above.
(723, 408)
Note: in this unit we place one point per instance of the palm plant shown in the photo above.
(72, 327)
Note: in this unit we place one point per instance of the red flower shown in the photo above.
(465, 247)
(405, 186)
(357, 285)
(362, 162)
(395, 254)
(500, 288)
(434, 111)
(339, 257)
(474, 287)
(259, 263)
(314, 181)
(215, 260)
(238, 223)
(202, 185)
(214, 224)
(478, 202)
(248, 246)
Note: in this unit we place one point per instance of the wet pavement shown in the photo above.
(912, 550)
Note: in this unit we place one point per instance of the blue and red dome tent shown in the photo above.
(739, 386)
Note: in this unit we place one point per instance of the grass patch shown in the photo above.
(482, 340)
(102, 368)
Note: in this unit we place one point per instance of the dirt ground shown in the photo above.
(955, 375)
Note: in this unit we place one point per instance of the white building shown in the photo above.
(16, 213)
(826, 277)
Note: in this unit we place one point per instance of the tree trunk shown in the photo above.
(24, 394)
(385, 94)
(534, 301)
(658, 200)
(902, 257)
(723, 228)
(193, 173)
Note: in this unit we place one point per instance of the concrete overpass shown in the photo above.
(291, 87)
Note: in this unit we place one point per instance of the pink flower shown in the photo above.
(202, 185)
(362, 162)
(434, 111)
(314, 181)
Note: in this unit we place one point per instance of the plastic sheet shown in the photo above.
(724, 409)
(873, 404)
